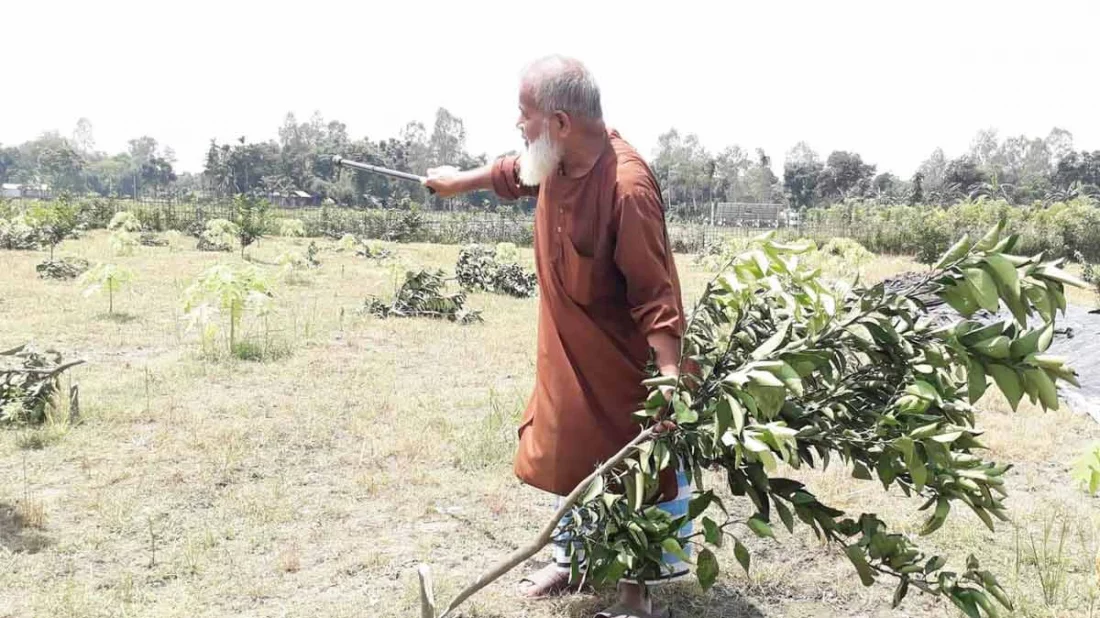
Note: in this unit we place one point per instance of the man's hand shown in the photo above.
(446, 181)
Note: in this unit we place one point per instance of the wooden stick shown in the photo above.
(44, 372)
(427, 594)
(547, 533)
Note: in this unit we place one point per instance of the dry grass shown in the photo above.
(313, 485)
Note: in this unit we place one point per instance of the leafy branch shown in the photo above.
(789, 369)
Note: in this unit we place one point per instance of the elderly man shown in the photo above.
(609, 297)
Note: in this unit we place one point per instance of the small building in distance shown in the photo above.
(747, 214)
(293, 199)
(16, 190)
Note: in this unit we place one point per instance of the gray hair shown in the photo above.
(564, 84)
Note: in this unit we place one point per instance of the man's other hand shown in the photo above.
(445, 181)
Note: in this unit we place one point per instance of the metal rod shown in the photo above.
(377, 170)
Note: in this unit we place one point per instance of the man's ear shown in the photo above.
(564, 123)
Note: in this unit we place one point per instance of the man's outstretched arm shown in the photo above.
(500, 176)
(448, 181)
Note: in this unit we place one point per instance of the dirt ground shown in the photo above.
(315, 483)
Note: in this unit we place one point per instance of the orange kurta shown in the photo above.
(606, 280)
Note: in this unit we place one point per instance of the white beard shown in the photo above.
(538, 160)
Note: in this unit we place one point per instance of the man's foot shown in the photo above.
(634, 602)
(620, 610)
(544, 582)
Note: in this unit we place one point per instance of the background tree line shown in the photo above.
(1019, 170)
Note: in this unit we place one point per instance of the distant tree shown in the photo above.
(1078, 168)
(447, 144)
(9, 162)
(964, 176)
(83, 139)
(845, 174)
(801, 175)
(933, 171)
(1059, 144)
(917, 195)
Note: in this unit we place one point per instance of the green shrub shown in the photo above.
(292, 228)
(479, 269)
(423, 295)
(53, 222)
(106, 277)
(252, 217)
(218, 235)
(230, 293)
(65, 268)
(124, 237)
(18, 234)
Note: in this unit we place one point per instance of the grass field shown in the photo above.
(313, 484)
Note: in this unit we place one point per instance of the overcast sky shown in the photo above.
(891, 80)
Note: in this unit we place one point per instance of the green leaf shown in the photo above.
(765, 378)
(1040, 382)
(860, 331)
(616, 569)
(943, 507)
(964, 600)
(773, 342)
(1045, 338)
(742, 555)
(769, 400)
(992, 237)
(672, 546)
(711, 532)
(738, 413)
(918, 470)
(706, 568)
(860, 471)
(855, 554)
(723, 417)
(924, 390)
(791, 379)
(684, 414)
(594, 490)
(900, 592)
(1029, 343)
(1041, 301)
(635, 490)
(1005, 275)
(885, 470)
(785, 515)
(760, 527)
(955, 253)
(997, 348)
(976, 380)
(984, 289)
(699, 504)
(1008, 381)
(1061, 276)
(960, 299)
(661, 455)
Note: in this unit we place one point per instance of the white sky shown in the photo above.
(891, 80)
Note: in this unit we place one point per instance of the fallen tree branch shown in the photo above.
(46, 372)
(547, 533)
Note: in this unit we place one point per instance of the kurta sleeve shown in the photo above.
(506, 184)
(645, 259)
